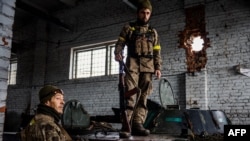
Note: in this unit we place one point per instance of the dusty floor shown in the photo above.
(114, 136)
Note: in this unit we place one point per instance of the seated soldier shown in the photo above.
(45, 124)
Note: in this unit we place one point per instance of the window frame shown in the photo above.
(12, 71)
(109, 59)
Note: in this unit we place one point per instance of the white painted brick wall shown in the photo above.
(6, 21)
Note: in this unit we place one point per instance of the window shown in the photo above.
(12, 72)
(94, 60)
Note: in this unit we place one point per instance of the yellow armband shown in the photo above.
(132, 28)
(32, 121)
(121, 38)
(157, 47)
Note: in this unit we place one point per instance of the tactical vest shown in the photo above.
(140, 41)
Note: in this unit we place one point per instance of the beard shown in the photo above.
(142, 22)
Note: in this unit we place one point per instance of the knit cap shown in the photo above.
(47, 92)
(144, 4)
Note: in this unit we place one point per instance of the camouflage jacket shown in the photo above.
(143, 47)
(44, 128)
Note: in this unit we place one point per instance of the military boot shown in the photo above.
(139, 130)
(124, 134)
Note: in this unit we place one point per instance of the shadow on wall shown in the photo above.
(12, 122)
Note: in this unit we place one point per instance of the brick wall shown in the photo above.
(218, 86)
(6, 21)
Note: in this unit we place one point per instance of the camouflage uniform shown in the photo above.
(143, 49)
(44, 128)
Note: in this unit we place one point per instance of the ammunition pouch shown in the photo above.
(143, 45)
(141, 42)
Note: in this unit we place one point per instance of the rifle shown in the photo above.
(124, 118)
(126, 124)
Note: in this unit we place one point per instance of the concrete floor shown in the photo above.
(114, 136)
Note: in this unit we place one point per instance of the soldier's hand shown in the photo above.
(158, 74)
(118, 57)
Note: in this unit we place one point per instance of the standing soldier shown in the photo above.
(143, 60)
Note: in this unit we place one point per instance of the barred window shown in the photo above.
(94, 60)
(12, 70)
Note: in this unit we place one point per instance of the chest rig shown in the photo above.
(140, 43)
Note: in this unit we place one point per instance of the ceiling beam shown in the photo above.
(41, 14)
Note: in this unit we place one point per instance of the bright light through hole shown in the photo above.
(197, 44)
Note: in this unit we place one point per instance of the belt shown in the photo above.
(138, 56)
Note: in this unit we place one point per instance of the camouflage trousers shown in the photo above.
(138, 111)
